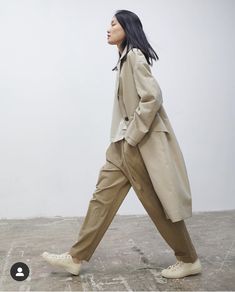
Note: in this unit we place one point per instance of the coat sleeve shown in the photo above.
(150, 96)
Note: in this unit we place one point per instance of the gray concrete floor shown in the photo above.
(129, 257)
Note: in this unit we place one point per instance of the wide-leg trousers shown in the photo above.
(124, 168)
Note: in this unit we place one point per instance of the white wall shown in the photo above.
(57, 89)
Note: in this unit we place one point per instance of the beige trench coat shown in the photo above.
(149, 129)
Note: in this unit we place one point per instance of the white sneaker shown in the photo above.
(181, 269)
(62, 260)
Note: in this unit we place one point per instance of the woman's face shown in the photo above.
(115, 34)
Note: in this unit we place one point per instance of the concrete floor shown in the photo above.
(129, 257)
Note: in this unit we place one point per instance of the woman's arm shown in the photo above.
(150, 98)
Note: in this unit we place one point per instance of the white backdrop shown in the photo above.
(57, 90)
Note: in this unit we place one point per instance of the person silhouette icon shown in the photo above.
(19, 274)
(19, 271)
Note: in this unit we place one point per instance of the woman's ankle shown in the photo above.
(76, 260)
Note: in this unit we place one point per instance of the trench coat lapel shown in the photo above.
(118, 70)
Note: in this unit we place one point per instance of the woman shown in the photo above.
(143, 154)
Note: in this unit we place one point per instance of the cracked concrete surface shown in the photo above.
(130, 256)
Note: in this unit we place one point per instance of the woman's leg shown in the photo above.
(175, 234)
(111, 189)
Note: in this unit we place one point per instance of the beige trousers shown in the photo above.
(124, 168)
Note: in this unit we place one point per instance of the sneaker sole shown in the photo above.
(70, 270)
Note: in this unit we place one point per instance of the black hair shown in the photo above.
(135, 36)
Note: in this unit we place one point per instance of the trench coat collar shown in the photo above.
(123, 53)
(120, 58)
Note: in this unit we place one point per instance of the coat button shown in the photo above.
(126, 119)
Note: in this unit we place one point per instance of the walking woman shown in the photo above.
(143, 154)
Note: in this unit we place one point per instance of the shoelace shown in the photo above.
(175, 266)
(63, 256)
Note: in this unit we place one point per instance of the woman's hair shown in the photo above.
(135, 36)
